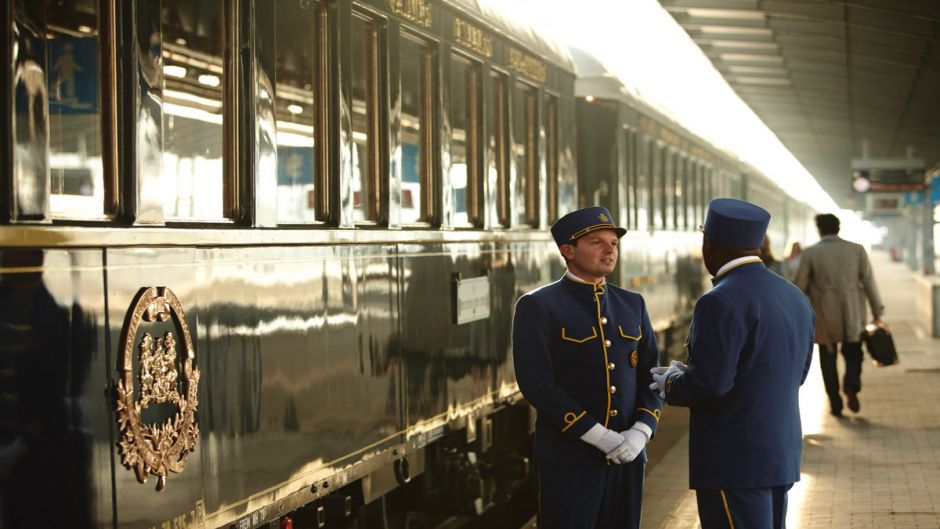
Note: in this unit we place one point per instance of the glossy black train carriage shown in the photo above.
(263, 256)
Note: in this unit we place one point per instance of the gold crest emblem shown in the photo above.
(603, 218)
(147, 448)
(634, 358)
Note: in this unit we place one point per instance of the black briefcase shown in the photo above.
(880, 345)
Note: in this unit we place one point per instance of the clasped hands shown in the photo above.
(622, 447)
(662, 374)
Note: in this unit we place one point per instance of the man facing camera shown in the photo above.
(583, 350)
(749, 347)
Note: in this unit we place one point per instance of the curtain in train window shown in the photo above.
(525, 155)
(193, 73)
(415, 70)
(74, 89)
(496, 174)
(364, 86)
(297, 78)
(464, 179)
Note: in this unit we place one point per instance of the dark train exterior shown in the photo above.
(263, 256)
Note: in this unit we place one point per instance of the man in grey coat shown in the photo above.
(836, 276)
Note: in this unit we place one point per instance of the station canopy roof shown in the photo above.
(832, 78)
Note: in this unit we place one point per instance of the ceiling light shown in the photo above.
(173, 70)
(737, 14)
(209, 80)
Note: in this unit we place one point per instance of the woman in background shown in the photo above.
(767, 256)
(792, 260)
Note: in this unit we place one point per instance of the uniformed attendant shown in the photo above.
(583, 350)
(749, 347)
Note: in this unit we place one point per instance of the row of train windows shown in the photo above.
(666, 188)
(189, 172)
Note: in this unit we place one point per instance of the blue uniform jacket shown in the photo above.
(750, 347)
(582, 356)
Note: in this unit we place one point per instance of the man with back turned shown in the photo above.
(836, 276)
(583, 350)
(749, 349)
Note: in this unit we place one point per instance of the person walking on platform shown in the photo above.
(836, 275)
(767, 256)
(583, 350)
(749, 348)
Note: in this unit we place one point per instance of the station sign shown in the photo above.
(884, 204)
(888, 175)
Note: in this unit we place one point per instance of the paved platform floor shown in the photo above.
(879, 468)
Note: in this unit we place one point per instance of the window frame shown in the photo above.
(373, 47)
(429, 214)
(500, 94)
(473, 96)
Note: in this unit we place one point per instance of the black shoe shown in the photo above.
(835, 413)
(853, 403)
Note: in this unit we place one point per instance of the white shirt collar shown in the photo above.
(579, 280)
(737, 262)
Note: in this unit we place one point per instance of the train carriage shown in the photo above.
(268, 254)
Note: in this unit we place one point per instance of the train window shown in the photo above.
(695, 206)
(365, 134)
(464, 141)
(633, 167)
(416, 67)
(659, 187)
(76, 170)
(551, 156)
(193, 141)
(645, 185)
(623, 175)
(672, 189)
(497, 157)
(688, 195)
(702, 201)
(296, 109)
(567, 179)
(525, 155)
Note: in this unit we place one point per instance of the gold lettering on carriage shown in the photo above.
(164, 376)
(417, 11)
(473, 38)
(527, 65)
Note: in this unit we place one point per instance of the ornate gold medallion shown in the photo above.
(146, 448)
(634, 358)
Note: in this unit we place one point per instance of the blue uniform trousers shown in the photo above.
(590, 497)
(764, 508)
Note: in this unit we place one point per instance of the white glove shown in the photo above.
(662, 374)
(603, 438)
(634, 441)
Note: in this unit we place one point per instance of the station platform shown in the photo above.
(879, 468)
